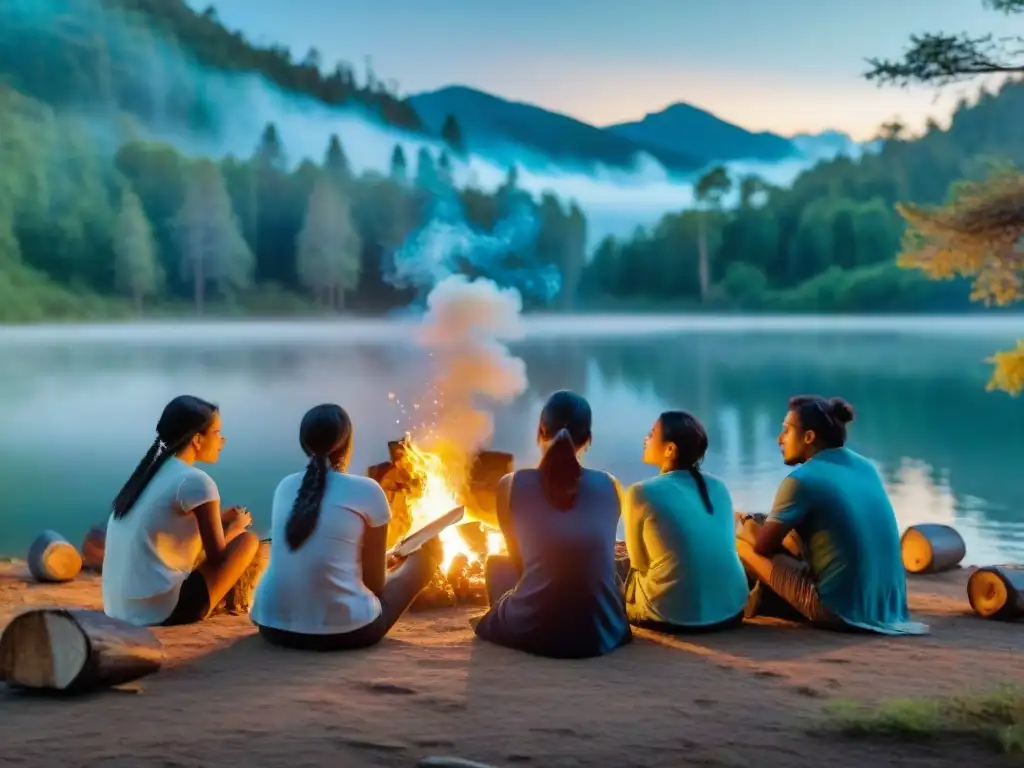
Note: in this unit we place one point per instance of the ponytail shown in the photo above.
(702, 486)
(155, 458)
(560, 472)
(306, 510)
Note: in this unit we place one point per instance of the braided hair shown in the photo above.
(182, 419)
(326, 437)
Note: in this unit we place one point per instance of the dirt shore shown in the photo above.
(750, 697)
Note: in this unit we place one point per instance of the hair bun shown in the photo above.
(841, 410)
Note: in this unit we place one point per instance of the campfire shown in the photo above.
(421, 487)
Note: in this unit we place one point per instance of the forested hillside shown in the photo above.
(828, 241)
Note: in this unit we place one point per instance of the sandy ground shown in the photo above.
(750, 697)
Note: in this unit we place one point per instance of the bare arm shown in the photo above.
(788, 510)
(633, 515)
(375, 543)
(211, 531)
(505, 521)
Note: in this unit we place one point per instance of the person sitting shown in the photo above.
(166, 518)
(836, 503)
(684, 573)
(557, 592)
(326, 587)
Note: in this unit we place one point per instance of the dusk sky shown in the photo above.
(780, 65)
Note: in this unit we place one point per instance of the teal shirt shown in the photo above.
(685, 570)
(837, 504)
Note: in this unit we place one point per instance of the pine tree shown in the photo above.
(213, 249)
(399, 165)
(451, 134)
(136, 269)
(328, 248)
(336, 162)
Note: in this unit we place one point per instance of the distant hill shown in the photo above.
(490, 122)
(685, 128)
(828, 144)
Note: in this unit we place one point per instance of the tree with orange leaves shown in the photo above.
(979, 233)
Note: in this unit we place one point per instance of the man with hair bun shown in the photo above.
(835, 502)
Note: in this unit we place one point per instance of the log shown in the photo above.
(74, 651)
(437, 594)
(997, 592)
(93, 547)
(52, 558)
(931, 548)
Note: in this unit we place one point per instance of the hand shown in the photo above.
(434, 550)
(240, 518)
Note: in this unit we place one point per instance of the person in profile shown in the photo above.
(684, 574)
(834, 500)
(557, 592)
(167, 518)
(326, 587)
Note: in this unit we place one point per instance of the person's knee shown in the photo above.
(498, 567)
(246, 544)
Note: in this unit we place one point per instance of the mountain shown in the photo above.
(827, 144)
(685, 128)
(492, 123)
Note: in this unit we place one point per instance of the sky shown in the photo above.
(787, 66)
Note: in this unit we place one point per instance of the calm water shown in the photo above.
(79, 406)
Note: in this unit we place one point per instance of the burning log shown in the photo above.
(405, 480)
(74, 651)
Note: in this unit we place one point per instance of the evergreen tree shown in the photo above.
(328, 249)
(451, 134)
(336, 162)
(399, 166)
(136, 268)
(212, 247)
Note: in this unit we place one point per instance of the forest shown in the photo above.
(91, 227)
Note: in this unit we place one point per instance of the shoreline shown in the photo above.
(753, 696)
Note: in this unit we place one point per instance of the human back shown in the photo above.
(166, 515)
(694, 577)
(149, 553)
(567, 593)
(318, 588)
(852, 540)
(557, 592)
(684, 572)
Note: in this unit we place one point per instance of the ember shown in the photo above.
(421, 488)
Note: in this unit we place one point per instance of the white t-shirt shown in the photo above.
(318, 588)
(151, 550)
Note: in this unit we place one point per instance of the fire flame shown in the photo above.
(437, 494)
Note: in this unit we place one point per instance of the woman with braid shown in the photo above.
(165, 517)
(326, 587)
(684, 574)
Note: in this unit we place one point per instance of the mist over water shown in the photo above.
(100, 389)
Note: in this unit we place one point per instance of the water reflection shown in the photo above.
(78, 407)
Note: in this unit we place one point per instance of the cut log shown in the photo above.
(52, 558)
(74, 651)
(997, 592)
(437, 594)
(931, 548)
(93, 548)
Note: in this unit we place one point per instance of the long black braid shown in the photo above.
(306, 509)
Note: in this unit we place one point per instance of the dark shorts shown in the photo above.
(193, 602)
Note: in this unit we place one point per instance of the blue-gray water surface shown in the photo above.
(78, 405)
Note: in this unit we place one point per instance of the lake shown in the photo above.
(79, 405)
